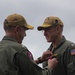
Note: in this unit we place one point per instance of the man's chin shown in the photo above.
(48, 41)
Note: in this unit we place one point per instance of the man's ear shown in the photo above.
(58, 28)
(17, 29)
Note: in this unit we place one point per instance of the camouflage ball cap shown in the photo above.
(17, 20)
(50, 21)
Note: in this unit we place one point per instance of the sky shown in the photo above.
(35, 12)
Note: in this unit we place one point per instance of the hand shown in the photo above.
(46, 55)
(52, 63)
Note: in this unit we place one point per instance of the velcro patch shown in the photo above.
(73, 52)
(29, 54)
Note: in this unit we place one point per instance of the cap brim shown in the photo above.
(43, 27)
(29, 27)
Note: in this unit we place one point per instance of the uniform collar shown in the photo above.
(9, 38)
(60, 42)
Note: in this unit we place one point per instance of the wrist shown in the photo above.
(40, 60)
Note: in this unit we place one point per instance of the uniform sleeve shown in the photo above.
(46, 71)
(71, 65)
(28, 66)
(71, 61)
